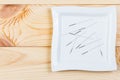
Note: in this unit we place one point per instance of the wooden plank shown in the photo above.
(39, 73)
(23, 56)
(31, 25)
(26, 25)
(60, 2)
(33, 63)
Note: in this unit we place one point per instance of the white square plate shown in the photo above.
(84, 38)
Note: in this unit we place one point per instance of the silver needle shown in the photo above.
(89, 43)
(91, 49)
(78, 22)
(85, 40)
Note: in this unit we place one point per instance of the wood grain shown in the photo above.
(60, 2)
(32, 25)
(33, 63)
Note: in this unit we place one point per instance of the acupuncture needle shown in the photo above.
(85, 40)
(101, 53)
(92, 42)
(79, 22)
(74, 43)
(75, 39)
(91, 49)
(78, 31)
(71, 50)
(82, 28)
(72, 47)
(78, 36)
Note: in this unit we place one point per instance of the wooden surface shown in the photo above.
(33, 63)
(60, 2)
(31, 25)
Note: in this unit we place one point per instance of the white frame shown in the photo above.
(56, 11)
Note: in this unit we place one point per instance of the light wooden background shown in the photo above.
(33, 63)
(32, 26)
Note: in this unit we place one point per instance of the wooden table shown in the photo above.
(33, 63)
